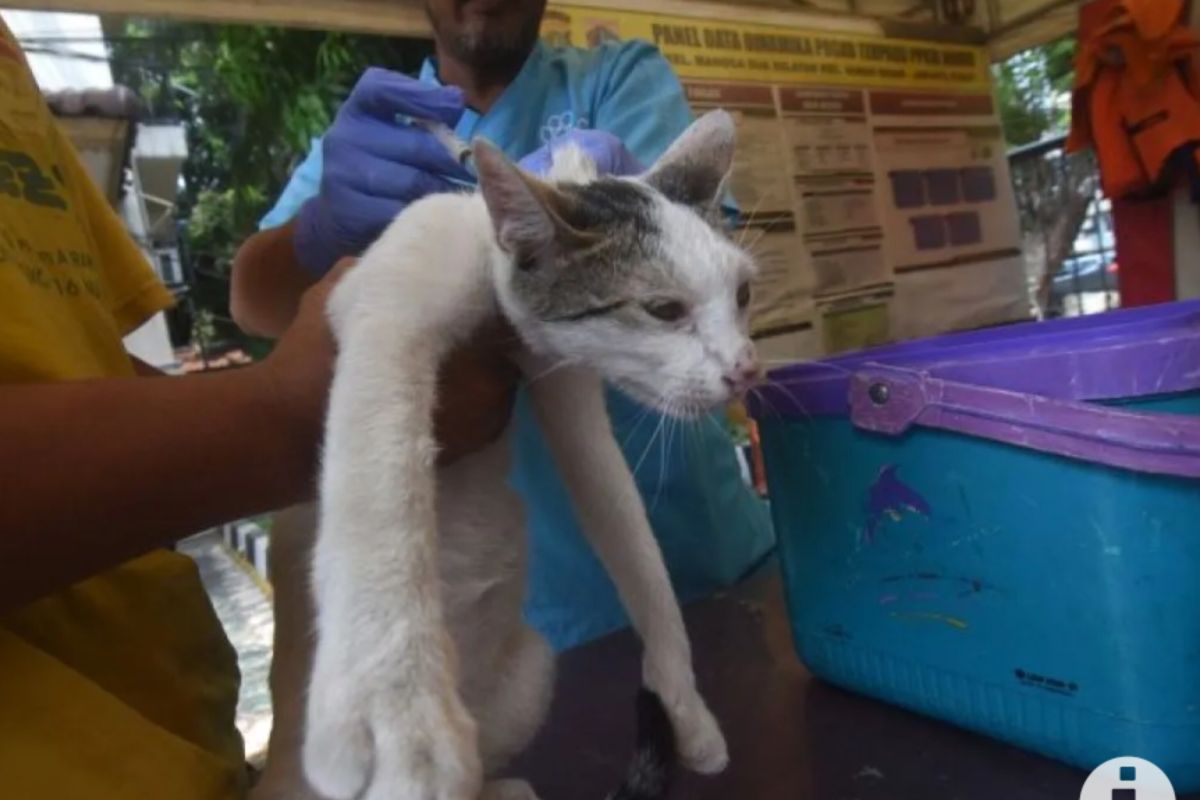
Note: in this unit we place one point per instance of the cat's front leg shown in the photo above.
(384, 718)
(571, 409)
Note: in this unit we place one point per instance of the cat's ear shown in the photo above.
(527, 214)
(694, 169)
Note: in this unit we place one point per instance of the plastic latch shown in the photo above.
(886, 401)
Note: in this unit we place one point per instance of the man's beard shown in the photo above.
(501, 51)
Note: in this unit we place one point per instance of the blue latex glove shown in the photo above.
(375, 164)
(602, 147)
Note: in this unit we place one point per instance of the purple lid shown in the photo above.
(1127, 353)
(1026, 385)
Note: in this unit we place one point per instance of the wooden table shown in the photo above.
(790, 736)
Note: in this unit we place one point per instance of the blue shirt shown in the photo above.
(712, 528)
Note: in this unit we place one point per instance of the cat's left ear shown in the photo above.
(527, 214)
(694, 170)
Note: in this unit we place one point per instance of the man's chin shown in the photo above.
(492, 35)
(483, 8)
(485, 48)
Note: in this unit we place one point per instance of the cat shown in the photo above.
(426, 681)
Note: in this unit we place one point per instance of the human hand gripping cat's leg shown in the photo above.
(477, 382)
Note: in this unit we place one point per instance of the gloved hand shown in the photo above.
(375, 165)
(602, 147)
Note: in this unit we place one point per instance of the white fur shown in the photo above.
(678, 369)
(426, 680)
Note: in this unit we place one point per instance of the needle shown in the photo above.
(456, 147)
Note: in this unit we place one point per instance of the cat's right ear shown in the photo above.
(527, 214)
(695, 168)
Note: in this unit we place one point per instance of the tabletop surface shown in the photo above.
(790, 735)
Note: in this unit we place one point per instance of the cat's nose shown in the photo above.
(744, 374)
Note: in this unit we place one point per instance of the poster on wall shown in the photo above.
(833, 181)
(870, 178)
(766, 221)
(719, 50)
(948, 210)
(852, 322)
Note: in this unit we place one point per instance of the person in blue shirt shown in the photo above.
(492, 78)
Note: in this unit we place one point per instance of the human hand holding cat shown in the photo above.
(477, 386)
(477, 382)
(374, 165)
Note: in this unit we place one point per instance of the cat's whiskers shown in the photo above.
(691, 438)
(747, 225)
(760, 233)
(767, 400)
(641, 417)
(555, 367)
(673, 421)
(662, 454)
(711, 418)
(653, 436)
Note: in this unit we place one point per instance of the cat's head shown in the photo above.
(633, 277)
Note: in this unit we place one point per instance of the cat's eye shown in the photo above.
(743, 294)
(666, 310)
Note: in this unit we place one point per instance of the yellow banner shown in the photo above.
(719, 50)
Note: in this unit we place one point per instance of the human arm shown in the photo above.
(99, 471)
(268, 282)
(357, 178)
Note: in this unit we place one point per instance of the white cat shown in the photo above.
(426, 680)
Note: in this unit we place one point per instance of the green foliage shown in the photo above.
(1033, 90)
(251, 100)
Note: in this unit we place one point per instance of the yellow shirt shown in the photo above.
(123, 686)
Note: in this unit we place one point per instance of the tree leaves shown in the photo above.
(1033, 91)
(251, 99)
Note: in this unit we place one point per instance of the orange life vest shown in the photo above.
(1135, 100)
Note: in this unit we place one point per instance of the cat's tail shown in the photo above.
(652, 769)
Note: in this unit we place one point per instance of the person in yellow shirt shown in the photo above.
(116, 680)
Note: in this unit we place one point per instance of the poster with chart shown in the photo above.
(870, 179)
(945, 194)
(948, 211)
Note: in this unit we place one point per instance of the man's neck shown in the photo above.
(480, 90)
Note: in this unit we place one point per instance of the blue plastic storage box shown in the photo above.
(1002, 529)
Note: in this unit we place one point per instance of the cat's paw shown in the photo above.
(697, 735)
(426, 749)
(338, 753)
(701, 745)
(414, 744)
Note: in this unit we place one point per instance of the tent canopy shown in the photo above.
(1008, 26)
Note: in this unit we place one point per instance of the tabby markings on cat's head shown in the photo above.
(632, 277)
